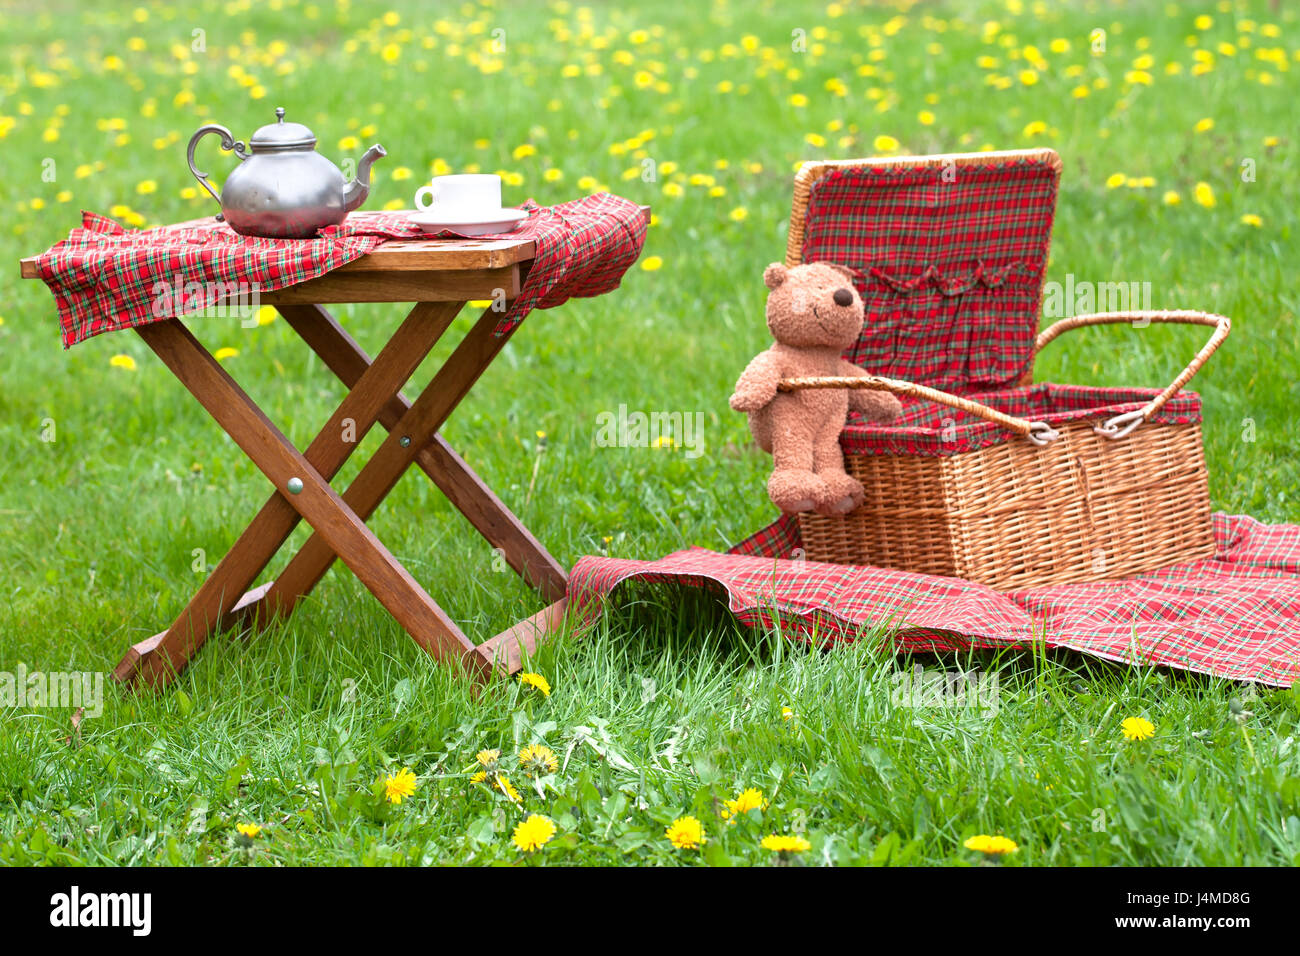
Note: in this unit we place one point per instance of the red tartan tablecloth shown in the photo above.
(1236, 615)
(105, 277)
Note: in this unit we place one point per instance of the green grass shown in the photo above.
(668, 706)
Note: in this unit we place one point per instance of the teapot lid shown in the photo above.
(281, 135)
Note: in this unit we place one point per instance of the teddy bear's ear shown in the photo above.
(774, 275)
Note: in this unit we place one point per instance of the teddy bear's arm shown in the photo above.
(881, 407)
(757, 385)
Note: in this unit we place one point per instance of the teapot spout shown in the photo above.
(355, 193)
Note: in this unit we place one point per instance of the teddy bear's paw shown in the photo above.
(794, 491)
(845, 494)
(879, 407)
(749, 401)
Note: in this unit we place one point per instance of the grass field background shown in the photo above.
(667, 708)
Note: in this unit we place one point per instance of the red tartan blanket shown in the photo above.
(1236, 615)
(105, 277)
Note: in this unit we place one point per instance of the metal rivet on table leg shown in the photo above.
(294, 485)
(404, 441)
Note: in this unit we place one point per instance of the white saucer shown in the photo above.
(483, 222)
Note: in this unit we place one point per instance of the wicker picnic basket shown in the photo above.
(988, 476)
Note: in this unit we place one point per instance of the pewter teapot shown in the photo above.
(283, 188)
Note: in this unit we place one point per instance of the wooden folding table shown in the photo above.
(440, 276)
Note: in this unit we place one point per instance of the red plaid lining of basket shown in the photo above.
(933, 430)
(951, 270)
(1236, 615)
(105, 277)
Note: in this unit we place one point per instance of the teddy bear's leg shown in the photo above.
(793, 486)
(845, 491)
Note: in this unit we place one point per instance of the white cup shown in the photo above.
(462, 193)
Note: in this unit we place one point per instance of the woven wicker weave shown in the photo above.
(1070, 500)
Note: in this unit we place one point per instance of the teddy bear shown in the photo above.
(814, 314)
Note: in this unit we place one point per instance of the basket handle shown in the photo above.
(1121, 425)
(1040, 433)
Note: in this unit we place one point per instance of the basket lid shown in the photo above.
(951, 249)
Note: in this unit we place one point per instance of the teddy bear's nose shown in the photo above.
(843, 297)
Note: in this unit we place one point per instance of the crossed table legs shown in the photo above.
(301, 480)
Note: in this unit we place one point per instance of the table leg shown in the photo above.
(417, 427)
(331, 518)
(468, 493)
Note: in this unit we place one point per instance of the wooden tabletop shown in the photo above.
(452, 254)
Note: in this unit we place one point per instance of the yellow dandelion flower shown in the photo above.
(739, 214)
(785, 844)
(224, 353)
(1204, 195)
(1204, 126)
(533, 833)
(250, 830)
(400, 786)
(1028, 77)
(536, 681)
(401, 172)
(1171, 197)
(487, 757)
(1115, 180)
(122, 361)
(554, 175)
(1036, 128)
(1137, 728)
(991, 845)
(266, 315)
(746, 800)
(925, 118)
(1203, 22)
(502, 783)
(798, 99)
(538, 759)
(1250, 219)
(391, 52)
(524, 150)
(685, 833)
(787, 713)
(652, 263)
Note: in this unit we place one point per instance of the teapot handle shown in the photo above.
(227, 142)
